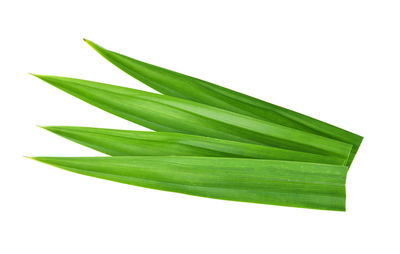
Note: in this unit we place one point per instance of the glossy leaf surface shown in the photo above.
(296, 184)
(183, 86)
(171, 114)
(135, 143)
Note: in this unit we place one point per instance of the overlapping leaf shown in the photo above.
(183, 86)
(133, 143)
(171, 114)
(285, 183)
(240, 148)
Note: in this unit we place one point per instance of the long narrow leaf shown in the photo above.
(183, 86)
(297, 184)
(171, 114)
(138, 143)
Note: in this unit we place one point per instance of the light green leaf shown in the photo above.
(171, 114)
(183, 86)
(133, 143)
(285, 183)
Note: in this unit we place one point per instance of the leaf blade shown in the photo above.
(179, 85)
(296, 184)
(163, 113)
(141, 143)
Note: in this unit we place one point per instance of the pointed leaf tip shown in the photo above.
(49, 128)
(38, 75)
(94, 46)
(89, 42)
(42, 77)
(44, 127)
(48, 78)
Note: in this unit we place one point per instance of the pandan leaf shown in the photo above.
(136, 143)
(183, 86)
(171, 114)
(297, 184)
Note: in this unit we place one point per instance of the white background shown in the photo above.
(338, 61)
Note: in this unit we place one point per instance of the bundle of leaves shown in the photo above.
(208, 141)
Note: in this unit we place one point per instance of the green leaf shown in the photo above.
(134, 143)
(183, 86)
(171, 114)
(285, 183)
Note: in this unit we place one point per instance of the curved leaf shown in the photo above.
(183, 86)
(296, 184)
(171, 114)
(133, 143)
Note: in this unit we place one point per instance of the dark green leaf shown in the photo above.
(134, 143)
(297, 184)
(183, 86)
(171, 114)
